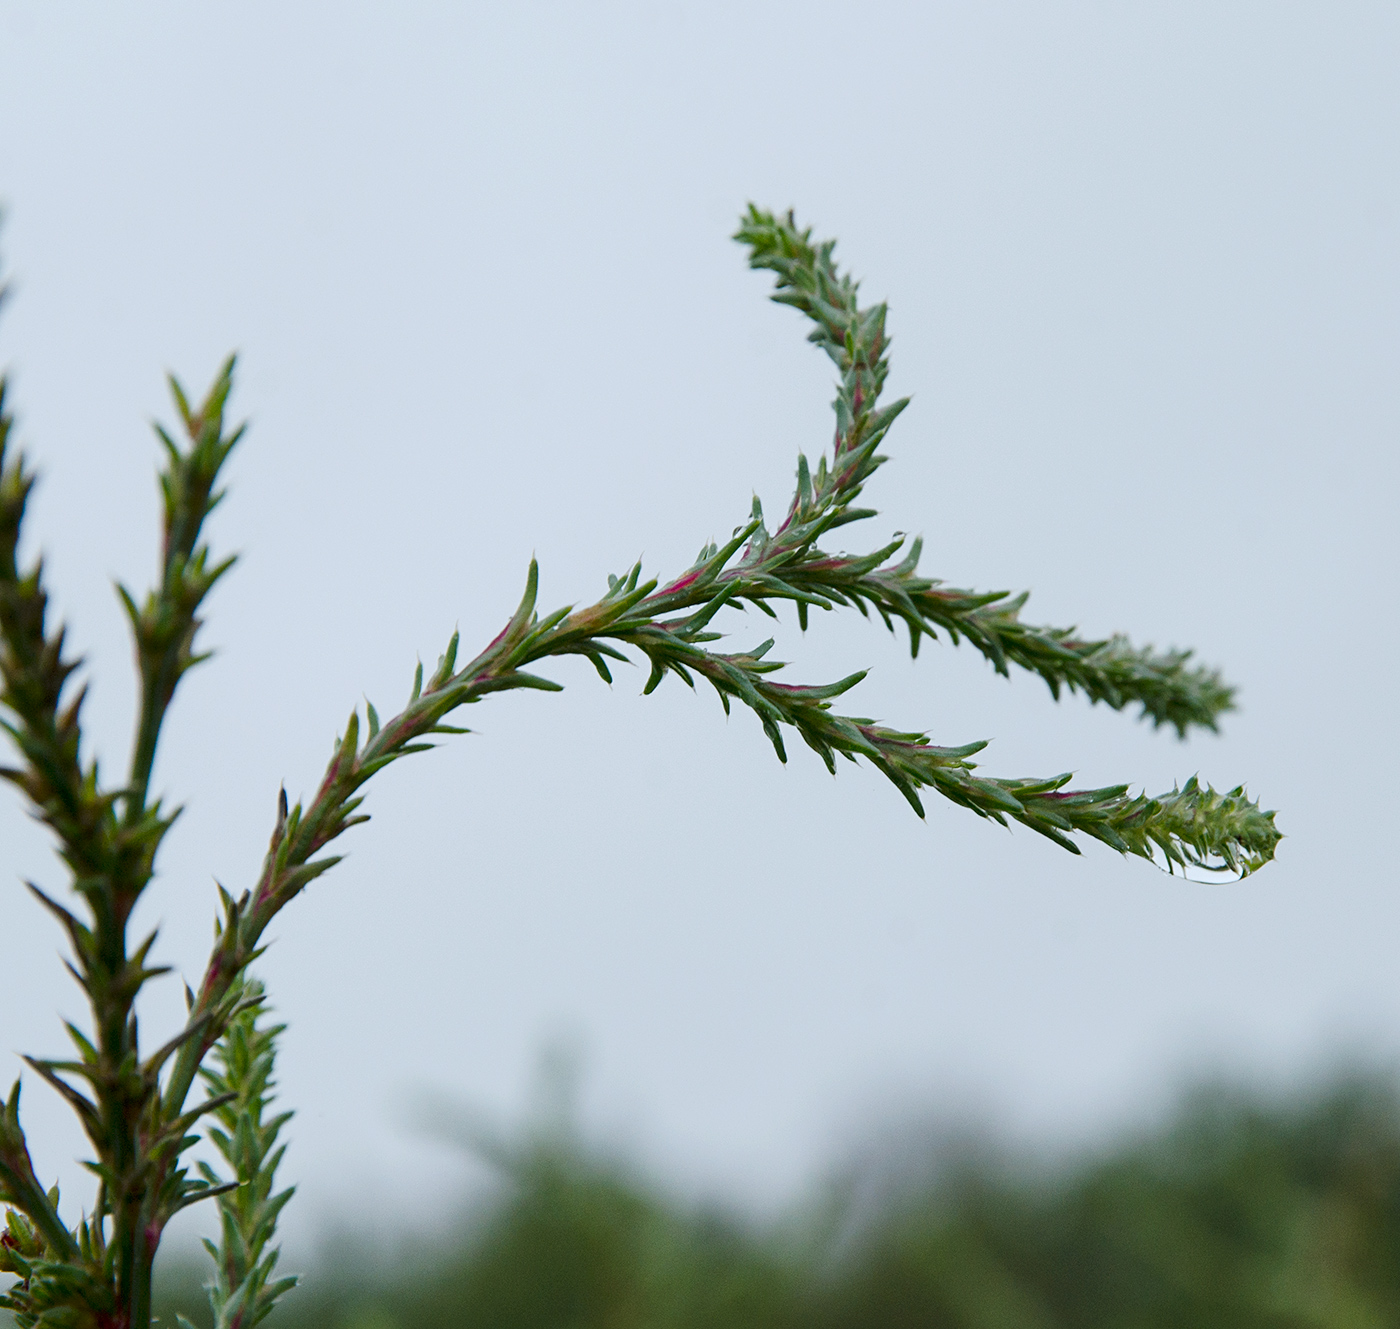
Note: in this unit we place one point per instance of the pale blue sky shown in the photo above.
(1142, 265)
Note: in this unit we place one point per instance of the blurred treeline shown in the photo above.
(1241, 1211)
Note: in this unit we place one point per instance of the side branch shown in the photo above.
(1110, 670)
(1192, 827)
(164, 628)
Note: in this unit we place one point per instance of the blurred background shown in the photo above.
(1144, 280)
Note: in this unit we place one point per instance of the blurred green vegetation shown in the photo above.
(1241, 1212)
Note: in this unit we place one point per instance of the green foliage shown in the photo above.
(134, 1106)
(1242, 1213)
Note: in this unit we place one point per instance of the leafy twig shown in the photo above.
(243, 1290)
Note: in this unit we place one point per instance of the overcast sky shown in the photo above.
(1142, 266)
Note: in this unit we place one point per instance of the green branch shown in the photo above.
(1192, 826)
(104, 1267)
